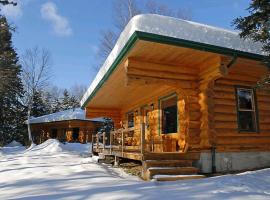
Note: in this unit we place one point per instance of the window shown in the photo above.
(168, 108)
(53, 133)
(246, 110)
(75, 134)
(130, 119)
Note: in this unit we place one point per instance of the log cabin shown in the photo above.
(183, 100)
(66, 126)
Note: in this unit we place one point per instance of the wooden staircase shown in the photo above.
(170, 166)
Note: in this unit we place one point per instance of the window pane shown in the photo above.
(245, 98)
(246, 121)
(169, 115)
(130, 120)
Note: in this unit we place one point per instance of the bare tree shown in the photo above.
(107, 42)
(36, 73)
(78, 91)
(124, 10)
(154, 8)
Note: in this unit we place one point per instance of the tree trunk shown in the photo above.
(28, 125)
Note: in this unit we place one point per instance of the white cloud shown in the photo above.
(60, 24)
(12, 11)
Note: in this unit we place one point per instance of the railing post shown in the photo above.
(111, 142)
(122, 132)
(93, 142)
(104, 140)
(142, 137)
(97, 139)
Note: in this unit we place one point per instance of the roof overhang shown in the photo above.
(235, 46)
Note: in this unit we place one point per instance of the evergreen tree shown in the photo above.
(39, 106)
(256, 26)
(74, 103)
(12, 112)
(65, 101)
(69, 101)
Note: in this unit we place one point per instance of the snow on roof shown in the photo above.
(71, 114)
(175, 28)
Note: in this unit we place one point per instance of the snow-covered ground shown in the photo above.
(57, 171)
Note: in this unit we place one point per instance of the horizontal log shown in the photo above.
(159, 74)
(236, 82)
(234, 133)
(263, 107)
(243, 140)
(223, 88)
(194, 115)
(144, 80)
(212, 73)
(194, 124)
(225, 109)
(139, 64)
(240, 77)
(224, 95)
(223, 117)
(229, 125)
(227, 102)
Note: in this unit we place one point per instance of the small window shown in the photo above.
(75, 134)
(130, 119)
(54, 133)
(246, 110)
(168, 108)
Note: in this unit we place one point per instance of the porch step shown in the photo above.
(171, 156)
(167, 163)
(176, 177)
(171, 171)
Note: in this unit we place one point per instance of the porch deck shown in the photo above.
(117, 144)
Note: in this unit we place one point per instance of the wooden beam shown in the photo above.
(146, 65)
(143, 80)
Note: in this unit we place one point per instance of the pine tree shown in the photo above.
(39, 106)
(65, 101)
(12, 112)
(256, 26)
(69, 101)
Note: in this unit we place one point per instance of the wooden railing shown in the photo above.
(119, 140)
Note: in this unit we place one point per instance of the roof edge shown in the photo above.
(151, 37)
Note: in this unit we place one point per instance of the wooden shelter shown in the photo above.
(182, 98)
(66, 126)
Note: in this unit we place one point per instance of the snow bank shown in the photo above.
(14, 143)
(54, 146)
(12, 148)
(49, 146)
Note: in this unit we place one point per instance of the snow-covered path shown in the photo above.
(54, 171)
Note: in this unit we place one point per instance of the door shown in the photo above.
(147, 128)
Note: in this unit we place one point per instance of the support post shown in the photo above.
(104, 140)
(142, 138)
(97, 141)
(111, 142)
(122, 136)
(93, 140)
(116, 161)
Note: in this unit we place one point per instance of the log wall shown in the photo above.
(228, 138)
(43, 131)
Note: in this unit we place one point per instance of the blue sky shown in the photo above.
(70, 30)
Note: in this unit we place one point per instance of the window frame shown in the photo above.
(160, 122)
(254, 109)
(127, 114)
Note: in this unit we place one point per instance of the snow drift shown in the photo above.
(54, 146)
